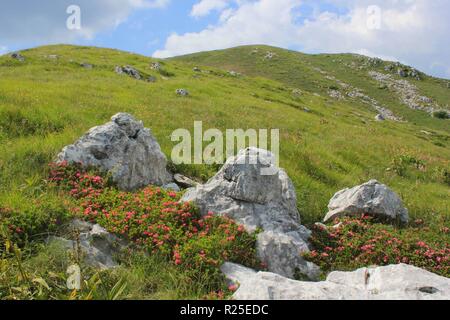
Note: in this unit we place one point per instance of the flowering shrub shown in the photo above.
(360, 242)
(155, 220)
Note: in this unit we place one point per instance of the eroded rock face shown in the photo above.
(371, 198)
(253, 192)
(124, 149)
(394, 282)
(97, 245)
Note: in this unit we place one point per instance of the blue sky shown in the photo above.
(411, 31)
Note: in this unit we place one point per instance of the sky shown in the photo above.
(414, 32)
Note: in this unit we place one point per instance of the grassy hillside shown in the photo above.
(47, 103)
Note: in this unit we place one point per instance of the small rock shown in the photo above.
(372, 198)
(197, 69)
(184, 182)
(124, 149)
(402, 73)
(18, 56)
(171, 187)
(269, 55)
(234, 73)
(182, 92)
(379, 117)
(151, 79)
(86, 65)
(155, 66)
(98, 245)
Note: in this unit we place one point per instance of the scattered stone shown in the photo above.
(380, 117)
(234, 73)
(184, 182)
(270, 55)
(182, 92)
(124, 149)
(441, 114)
(258, 195)
(374, 62)
(151, 79)
(372, 198)
(307, 110)
(297, 92)
(86, 65)
(407, 92)
(97, 245)
(402, 73)
(335, 94)
(197, 69)
(394, 282)
(132, 72)
(18, 56)
(155, 66)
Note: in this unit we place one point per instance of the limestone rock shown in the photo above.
(97, 245)
(394, 282)
(18, 56)
(371, 198)
(258, 195)
(124, 149)
(128, 70)
(182, 92)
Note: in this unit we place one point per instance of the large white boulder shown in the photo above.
(251, 190)
(394, 282)
(124, 149)
(371, 198)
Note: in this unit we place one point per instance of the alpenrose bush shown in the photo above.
(360, 242)
(155, 220)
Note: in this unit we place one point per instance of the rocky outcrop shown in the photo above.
(407, 92)
(124, 149)
(98, 247)
(371, 198)
(17, 56)
(258, 195)
(394, 282)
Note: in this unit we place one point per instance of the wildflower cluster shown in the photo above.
(359, 242)
(155, 219)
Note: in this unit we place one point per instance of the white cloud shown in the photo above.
(264, 21)
(204, 7)
(412, 31)
(44, 21)
(3, 50)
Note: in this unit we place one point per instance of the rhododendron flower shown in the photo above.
(233, 287)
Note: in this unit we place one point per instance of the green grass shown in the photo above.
(46, 104)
